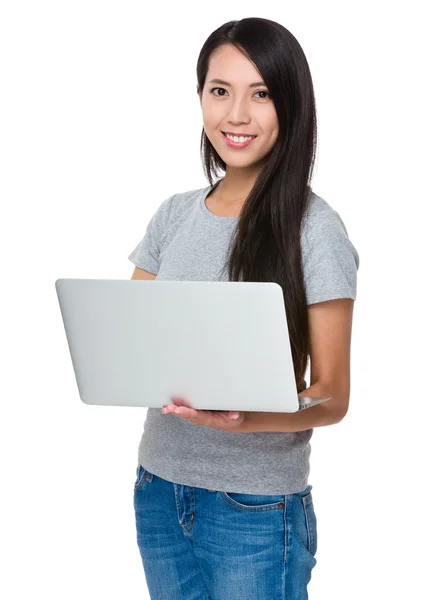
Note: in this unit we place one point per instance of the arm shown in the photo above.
(330, 325)
(142, 274)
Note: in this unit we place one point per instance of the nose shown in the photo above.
(238, 112)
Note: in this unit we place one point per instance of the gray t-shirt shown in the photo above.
(185, 241)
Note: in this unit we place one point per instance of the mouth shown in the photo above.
(239, 145)
(239, 135)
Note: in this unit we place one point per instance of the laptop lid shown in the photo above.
(219, 345)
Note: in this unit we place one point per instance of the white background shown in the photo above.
(100, 122)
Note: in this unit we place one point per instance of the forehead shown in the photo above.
(228, 63)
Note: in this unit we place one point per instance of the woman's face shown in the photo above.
(237, 108)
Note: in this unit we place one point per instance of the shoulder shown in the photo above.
(324, 232)
(320, 216)
(189, 196)
(183, 201)
(322, 224)
(174, 205)
(330, 259)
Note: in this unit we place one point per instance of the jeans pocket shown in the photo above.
(253, 502)
(311, 523)
(140, 478)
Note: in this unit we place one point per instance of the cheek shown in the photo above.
(211, 119)
(274, 132)
(209, 124)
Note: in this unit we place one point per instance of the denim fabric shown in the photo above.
(200, 544)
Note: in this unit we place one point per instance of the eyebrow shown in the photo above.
(252, 85)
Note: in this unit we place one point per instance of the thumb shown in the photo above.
(234, 415)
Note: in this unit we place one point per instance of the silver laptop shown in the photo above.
(219, 345)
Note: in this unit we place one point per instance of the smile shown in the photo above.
(239, 144)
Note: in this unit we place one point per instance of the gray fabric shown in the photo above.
(185, 241)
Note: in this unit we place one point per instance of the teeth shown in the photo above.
(240, 139)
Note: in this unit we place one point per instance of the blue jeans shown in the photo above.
(199, 544)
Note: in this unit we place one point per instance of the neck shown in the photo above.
(234, 188)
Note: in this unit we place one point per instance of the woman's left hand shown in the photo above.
(218, 419)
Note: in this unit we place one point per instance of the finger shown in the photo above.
(233, 415)
(185, 411)
(181, 411)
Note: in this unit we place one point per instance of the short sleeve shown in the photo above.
(146, 254)
(330, 260)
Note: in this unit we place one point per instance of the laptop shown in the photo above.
(219, 345)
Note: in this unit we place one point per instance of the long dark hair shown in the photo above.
(266, 243)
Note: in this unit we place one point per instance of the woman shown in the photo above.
(223, 506)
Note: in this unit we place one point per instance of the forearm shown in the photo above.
(318, 416)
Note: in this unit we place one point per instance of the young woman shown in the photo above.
(223, 505)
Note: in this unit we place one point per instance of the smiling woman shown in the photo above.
(238, 488)
(238, 109)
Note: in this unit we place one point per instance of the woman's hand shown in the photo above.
(218, 419)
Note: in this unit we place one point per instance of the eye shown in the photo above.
(221, 96)
(263, 92)
(217, 88)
